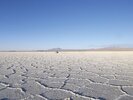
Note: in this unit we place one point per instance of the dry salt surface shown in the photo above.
(66, 76)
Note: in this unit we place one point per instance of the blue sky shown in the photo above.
(75, 24)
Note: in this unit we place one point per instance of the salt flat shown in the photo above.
(66, 75)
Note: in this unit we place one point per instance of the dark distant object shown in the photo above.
(57, 51)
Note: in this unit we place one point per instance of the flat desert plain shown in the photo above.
(99, 75)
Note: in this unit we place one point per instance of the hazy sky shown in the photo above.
(43, 24)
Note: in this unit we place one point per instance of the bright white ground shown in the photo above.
(66, 76)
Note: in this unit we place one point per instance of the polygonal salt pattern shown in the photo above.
(66, 75)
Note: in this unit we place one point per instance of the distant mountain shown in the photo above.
(55, 49)
(95, 49)
(113, 48)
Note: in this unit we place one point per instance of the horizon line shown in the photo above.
(61, 50)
